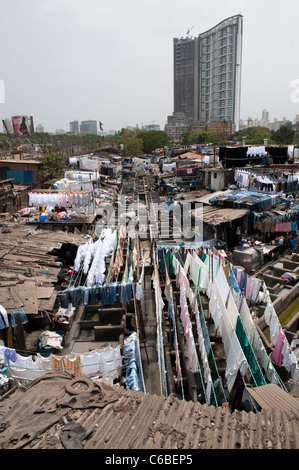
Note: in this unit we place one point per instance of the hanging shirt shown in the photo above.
(18, 314)
(223, 284)
(255, 290)
(4, 323)
(187, 262)
(90, 363)
(278, 347)
(139, 292)
(232, 310)
(183, 278)
(249, 287)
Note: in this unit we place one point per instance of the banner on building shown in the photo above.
(20, 126)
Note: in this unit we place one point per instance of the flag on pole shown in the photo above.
(101, 125)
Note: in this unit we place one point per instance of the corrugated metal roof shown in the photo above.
(216, 216)
(133, 420)
(206, 198)
(271, 396)
(27, 248)
(142, 421)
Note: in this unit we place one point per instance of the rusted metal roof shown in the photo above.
(35, 418)
(215, 216)
(26, 260)
(271, 396)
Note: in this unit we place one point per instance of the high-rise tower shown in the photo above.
(207, 74)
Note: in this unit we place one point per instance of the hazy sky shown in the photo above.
(112, 60)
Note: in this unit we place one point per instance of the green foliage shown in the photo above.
(132, 144)
(139, 141)
(254, 135)
(152, 140)
(219, 133)
(284, 135)
(187, 140)
(199, 137)
(53, 164)
(206, 137)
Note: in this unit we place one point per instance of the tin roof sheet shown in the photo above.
(134, 420)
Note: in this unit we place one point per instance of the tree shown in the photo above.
(152, 140)
(187, 140)
(199, 137)
(131, 143)
(254, 135)
(284, 135)
(206, 137)
(53, 164)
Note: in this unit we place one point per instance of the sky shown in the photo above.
(112, 61)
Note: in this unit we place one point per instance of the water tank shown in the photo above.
(250, 258)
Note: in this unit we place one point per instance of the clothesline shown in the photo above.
(232, 349)
(105, 361)
(14, 316)
(239, 379)
(183, 280)
(191, 348)
(272, 223)
(236, 359)
(159, 308)
(209, 267)
(55, 191)
(90, 260)
(254, 151)
(203, 341)
(290, 360)
(132, 364)
(168, 292)
(107, 293)
(60, 198)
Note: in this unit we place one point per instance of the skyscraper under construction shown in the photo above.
(207, 74)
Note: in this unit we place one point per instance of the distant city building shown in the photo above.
(242, 124)
(207, 74)
(59, 131)
(74, 126)
(39, 128)
(275, 125)
(264, 122)
(296, 124)
(88, 127)
(253, 122)
(151, 127)
(216, 127)
(265, 115)
(177, 124)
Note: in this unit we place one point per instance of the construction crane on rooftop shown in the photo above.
(189, 30)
